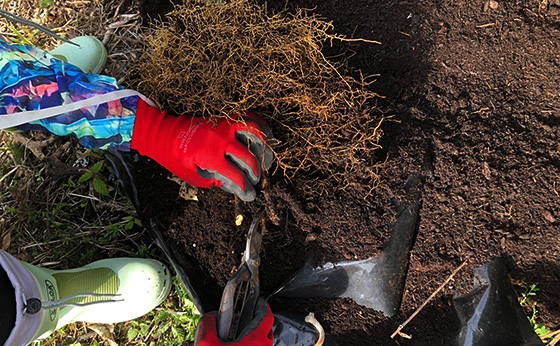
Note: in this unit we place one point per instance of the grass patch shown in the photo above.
(60, 204)
(53, 215)
(171, 324)
(57, 216)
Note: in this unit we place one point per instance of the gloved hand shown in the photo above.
(257, 333)
(229, 155)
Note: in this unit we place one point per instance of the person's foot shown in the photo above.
(107, 291)
(90, 56)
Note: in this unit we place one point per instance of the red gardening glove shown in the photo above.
(257, 333)
(229, 155)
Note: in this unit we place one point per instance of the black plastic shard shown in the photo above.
(490, 314)
(376, 283)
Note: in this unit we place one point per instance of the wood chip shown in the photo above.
(548, 217)
(6, 240)
(486, 171)
(105, 332)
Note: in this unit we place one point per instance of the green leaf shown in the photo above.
(178, 333)
(85, 176)
(14, 40)
(541, 329)
(162, 329)
(17, 153)
(132, 333)
(46, 3)
(98, 153)
(97, 166)
(100, 187)
(162, 315)
(144, 328)
(19, 34)
(128, 226)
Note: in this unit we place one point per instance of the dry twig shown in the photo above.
(554, 341)
(398, 331)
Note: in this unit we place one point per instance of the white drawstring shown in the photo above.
(64, 301)
(37, 305)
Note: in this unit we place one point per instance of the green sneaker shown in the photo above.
(106, 291)
(90, 56)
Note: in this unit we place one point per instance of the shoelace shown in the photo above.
(34, 305)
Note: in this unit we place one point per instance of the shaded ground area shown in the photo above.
(472, 94)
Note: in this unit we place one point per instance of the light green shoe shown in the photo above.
(90, 56)
(106, 291)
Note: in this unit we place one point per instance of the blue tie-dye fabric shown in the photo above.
(31, 79)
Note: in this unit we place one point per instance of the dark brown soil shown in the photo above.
(472, 89)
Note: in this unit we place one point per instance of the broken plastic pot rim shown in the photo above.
(376, 283)
(490, 313)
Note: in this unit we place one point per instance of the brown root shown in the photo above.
(213, 60)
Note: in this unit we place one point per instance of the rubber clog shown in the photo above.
(107, 291)
(90, 56)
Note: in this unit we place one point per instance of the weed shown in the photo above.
(172, 324)
(46, 3)
(527, 302)
(144, 251)
(14, 150)
(93, 174)
(113, 231)
(131, 221)
(23, 36)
